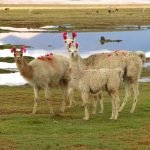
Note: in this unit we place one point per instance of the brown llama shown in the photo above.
(44, 72)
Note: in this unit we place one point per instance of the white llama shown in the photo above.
(45, 72)
(93, 81)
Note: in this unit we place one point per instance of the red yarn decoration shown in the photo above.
(74, 34)
(65, 35)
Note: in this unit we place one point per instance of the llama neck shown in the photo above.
(24, 68)
(76, 69)
(83, 63)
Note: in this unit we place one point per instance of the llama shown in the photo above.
(44, 72)
(130, 62)
(93, 81)
(71, 88)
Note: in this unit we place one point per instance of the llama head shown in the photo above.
(67, 39)
(18, 54)
(73, 49)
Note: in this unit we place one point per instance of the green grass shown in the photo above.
(148, 59)
(11, 59)
(145, 72)
(8, 46)
(21, 130)
(6, 71)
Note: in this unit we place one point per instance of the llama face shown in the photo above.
(73, 50)
(18, 54)
(69, 40)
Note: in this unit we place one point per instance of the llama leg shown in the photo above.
(47, 96)
(101, 103)
(113, 107)
(65, 98)
(95, 104)
(85, 98)
(113, 110)
(136, 93)
(127, 95)
(117, 104)
(36, 97)
(71, 98)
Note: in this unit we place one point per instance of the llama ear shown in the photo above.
(74, 35)
(23, 49)
(65, 35)
(77, 45)
(69, 45)
(13, 49)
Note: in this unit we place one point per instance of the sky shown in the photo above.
(73, 1)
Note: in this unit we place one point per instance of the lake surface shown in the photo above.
(89, 43)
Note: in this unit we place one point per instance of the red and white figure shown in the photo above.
(68, 39)
(73, 49)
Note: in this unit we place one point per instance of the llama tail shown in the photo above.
(141, 54)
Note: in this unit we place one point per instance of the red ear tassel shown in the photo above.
(23, 49)
(12, 49)
(74, 34)
(77, 45)
(70, 44)
(65, 35)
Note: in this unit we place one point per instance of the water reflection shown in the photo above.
(103, 40)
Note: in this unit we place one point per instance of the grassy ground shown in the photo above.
(21, 130)
(148, 59)
(11, 59)
(9, 46)
(145, 72)
(6, 71)
(94, 18)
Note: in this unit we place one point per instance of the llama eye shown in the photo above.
(69, 51)
(75, 51)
